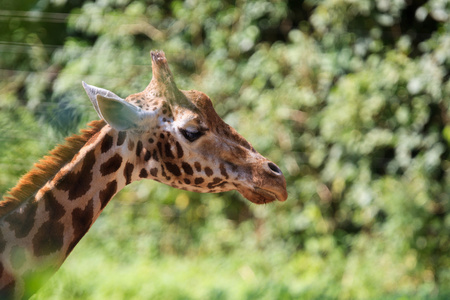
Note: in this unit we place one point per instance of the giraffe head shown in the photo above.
(177, 138)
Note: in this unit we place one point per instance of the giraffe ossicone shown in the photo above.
(162, 133)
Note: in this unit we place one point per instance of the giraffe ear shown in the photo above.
(118, 113)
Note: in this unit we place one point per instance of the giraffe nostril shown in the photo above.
(274, 168)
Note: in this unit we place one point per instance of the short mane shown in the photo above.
(47, 167)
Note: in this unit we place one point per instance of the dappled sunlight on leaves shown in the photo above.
(349, 98)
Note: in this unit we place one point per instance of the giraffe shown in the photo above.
(162, 133)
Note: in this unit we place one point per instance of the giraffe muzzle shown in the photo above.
(273, 184)
(269, 185)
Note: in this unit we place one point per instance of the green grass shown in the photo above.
(90, 275)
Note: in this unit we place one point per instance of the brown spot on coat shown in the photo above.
(159, 145)
(138, 148)
(155, 155)
(198, 166)
(121, 137)
(168, 151)
(78, 183)
(106, 194)
(107, 143)
(208, 171)
(22, 221)
(163, 171)
(223, 170)
(180, 152)
(187, 168)
(172, 168)
(130, 145)
(143, 173)
(49, 238)
(154, 172)
(148, 155)
(233, 166)
(127, 172)
(111, 165)
(199, 180)
(52, 206)
(82, 220)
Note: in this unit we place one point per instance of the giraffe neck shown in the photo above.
(41, 232)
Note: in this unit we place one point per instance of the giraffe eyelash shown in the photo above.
(192, 134)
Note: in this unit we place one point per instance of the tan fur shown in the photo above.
(47, 168)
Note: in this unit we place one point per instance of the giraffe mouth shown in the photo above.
(259, 195)
(264, 196)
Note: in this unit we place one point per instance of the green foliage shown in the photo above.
(349, 98)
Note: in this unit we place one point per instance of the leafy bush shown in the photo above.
(350, 98)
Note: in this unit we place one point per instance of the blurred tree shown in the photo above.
(350, 98)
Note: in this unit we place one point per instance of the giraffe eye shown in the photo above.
(191, 134)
